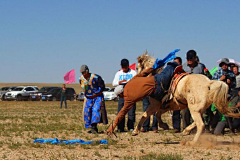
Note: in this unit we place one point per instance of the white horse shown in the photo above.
(194, 91)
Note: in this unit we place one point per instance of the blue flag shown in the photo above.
(159, 62)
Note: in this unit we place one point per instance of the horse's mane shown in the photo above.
(146, 61)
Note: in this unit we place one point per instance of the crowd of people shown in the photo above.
(215, 122)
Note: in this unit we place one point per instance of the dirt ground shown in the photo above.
(22, 122)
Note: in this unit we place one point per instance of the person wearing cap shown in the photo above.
(192, 67)
(121, 78)
(224, 74)
(94, 110)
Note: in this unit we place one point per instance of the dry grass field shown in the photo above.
(22, 122)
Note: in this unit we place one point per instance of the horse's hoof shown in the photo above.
(183, 142)
(190, 143)
(134, 133)
(187, 143)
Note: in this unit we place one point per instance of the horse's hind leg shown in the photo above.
(152, 108)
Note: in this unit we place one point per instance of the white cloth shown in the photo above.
(118, 89)
(120, 75)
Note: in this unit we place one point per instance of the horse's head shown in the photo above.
(140, 65)
(144, 61)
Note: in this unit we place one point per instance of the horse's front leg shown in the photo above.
(200, 126)
(143, 119)
(152, 108)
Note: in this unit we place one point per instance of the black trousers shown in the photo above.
(236, 123)
(131, 116)
(176, 120)
(186, 116)
(63, 98)
(146, 124)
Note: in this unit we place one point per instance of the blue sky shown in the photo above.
(42, 40)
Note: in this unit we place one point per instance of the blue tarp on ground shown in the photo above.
(74, 141)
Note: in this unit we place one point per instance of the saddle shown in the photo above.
(178, 74)
(176, 78)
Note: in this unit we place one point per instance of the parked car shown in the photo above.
(20, 93)
(109, 94)
(36, 96)
(4, 90)
(80, 96)
(107, 89)
(55, 94)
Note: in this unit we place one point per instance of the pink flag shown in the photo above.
(69, 77)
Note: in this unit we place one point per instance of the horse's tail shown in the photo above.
(219, 94)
